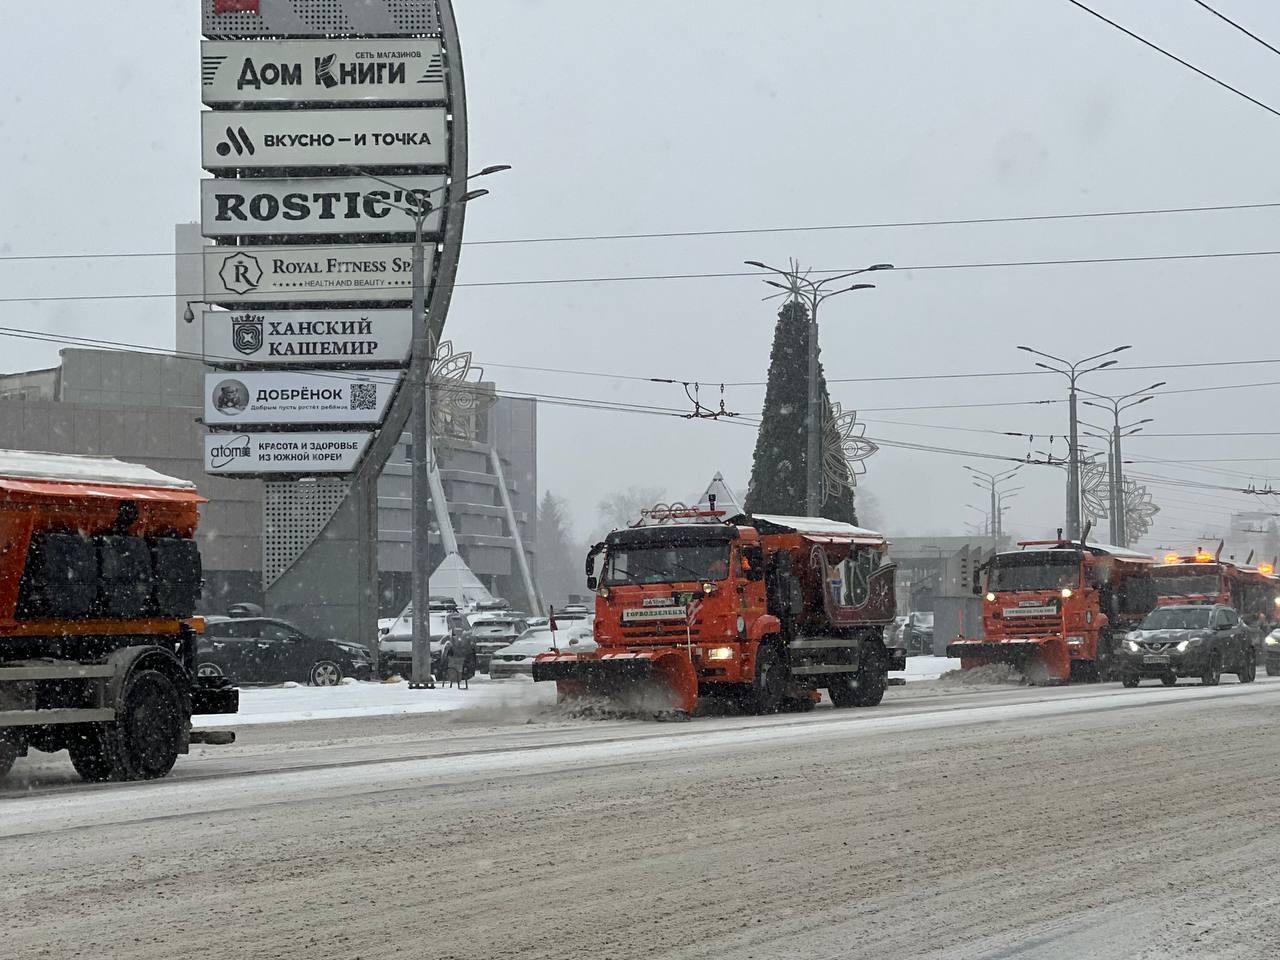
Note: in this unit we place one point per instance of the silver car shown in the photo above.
(516, 659)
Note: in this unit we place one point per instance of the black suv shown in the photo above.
(265, 650)
(1187, 640)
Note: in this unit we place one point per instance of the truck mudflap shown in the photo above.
(657, 680)
(1043, 660)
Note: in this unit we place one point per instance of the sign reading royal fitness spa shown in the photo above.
(271, 274)
(313, 337)
(256, 453)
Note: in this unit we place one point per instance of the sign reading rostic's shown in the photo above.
(275, 397)
(323, 138)
(271, 274)
(328, 205)
(257, 453)
(321, 71)
(313, 337)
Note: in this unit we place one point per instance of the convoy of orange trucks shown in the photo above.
(99, 577)
(764, 610)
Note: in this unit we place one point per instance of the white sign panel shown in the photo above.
(356, 397)
(253, 453)
(270, 274)
(323, 138)
(334, 205)
(321, 71)
(314, 337)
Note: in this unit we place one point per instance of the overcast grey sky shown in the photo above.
(670, 115)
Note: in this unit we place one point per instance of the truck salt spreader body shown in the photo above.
(99, 576)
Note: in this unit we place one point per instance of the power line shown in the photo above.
(1175, 57)
(736, 231)
(640, 278)
(1226, 19)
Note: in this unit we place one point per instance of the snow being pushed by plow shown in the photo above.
(989, 674)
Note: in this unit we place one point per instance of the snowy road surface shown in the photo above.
(949, 822)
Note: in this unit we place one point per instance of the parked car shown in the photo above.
(395, 647)
(1272, 647)
(516, 659)
(895, 633)
(918, 634)
(488, 630)
(266, 650)
(1201, 640)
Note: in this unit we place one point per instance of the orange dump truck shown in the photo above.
(99, 576)
(767, 610)
(1055, 608)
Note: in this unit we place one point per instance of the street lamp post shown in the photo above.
(812, 293)
(1117, 406)
(420, 423)
(1073, 373)
(991, 482)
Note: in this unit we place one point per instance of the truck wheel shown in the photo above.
(1169, 679)
(864, 688)
(142, 743)
(1248, 666)
(8, 754)
(1212, 675)
(765, 694)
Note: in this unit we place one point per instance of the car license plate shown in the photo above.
(1158, 661)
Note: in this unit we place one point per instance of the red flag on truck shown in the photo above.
(236, 6)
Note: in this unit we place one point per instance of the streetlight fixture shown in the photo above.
(421, 461)
(1116, 406)
(1073, 372)
(991, 483)
(812, 293)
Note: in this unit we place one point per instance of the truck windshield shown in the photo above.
(661, 564)
(1186, 585)
(1039, 570)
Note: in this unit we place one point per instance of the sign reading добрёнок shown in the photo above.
(358, 88)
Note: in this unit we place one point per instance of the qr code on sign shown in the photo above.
(364, 396)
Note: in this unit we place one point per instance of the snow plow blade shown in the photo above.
(1042, 660)
(658, 680)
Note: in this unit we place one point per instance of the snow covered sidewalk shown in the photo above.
(292, 703)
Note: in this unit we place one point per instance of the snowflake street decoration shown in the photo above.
(1139, 511)
(457, 399)
(845, 450)
(1095, 490)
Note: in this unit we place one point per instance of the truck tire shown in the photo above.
(143, 742)
(8, 754)
(864, 688)
(766, 692)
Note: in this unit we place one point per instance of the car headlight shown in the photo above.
(1131, 646)
(1273, 638)
(719, 653)
(1188, 643)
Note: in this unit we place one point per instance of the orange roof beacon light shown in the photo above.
(1204, 557)
(1266, 568)
(1170, 558)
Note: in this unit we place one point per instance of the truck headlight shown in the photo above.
(719, 653)
(1066, 592)
(991, 598)
(708, 588)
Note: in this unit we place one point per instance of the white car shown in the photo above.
(516, 659)
(395, 647)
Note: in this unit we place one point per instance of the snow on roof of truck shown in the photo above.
(1105, 549)
(73, 468)
(819, 526)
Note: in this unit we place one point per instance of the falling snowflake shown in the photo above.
(845, 450)
(457, 397)
(1139, 511)
(1095, 489)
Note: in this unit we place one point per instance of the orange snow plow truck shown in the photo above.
(767, 610)
(1055, 608)
(99, 576)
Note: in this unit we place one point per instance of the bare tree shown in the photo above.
(623, 507)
